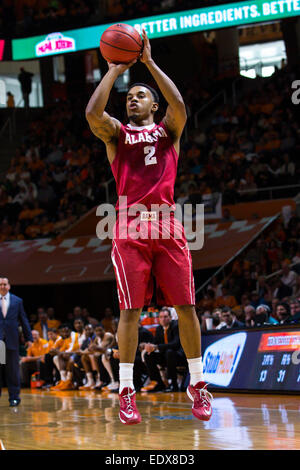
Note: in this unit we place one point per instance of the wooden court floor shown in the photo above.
(89, 420)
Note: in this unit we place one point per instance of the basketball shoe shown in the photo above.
(129, 413)
(1, 445)
(201, 399)
(57, 386)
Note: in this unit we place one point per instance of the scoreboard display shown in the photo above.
(261, 359)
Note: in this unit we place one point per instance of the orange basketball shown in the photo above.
(120, 44)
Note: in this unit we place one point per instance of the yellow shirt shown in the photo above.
(70, 344)
(38, 348)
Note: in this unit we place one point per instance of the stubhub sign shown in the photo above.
(221, 359)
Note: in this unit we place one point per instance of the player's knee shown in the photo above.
(130, 316)
(184, 309)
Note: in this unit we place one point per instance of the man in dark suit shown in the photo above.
(11, 312)
(228, 320)
(166, 351)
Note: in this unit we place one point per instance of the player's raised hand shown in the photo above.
(146, 54)
(120, 68)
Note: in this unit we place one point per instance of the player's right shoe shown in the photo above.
(1, 445)
(201, 399)
(129, 413)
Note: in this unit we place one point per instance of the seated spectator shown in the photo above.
(228, 320)
(109, 321)
(288, 276)
(33, 362)
(52, 322)
(49, 365)
(65, 347)
(80, 329)
(281, 290)
(78, 371)
(92, 357)
(263, 316)
(225, 300)
(249, 313)
(283, 314)
(88, 318)
(295, 310)
(165, 351)
(44, 323)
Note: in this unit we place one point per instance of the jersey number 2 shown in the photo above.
(149, 151)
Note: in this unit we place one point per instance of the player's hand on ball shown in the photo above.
(120, 68)
(146, 54)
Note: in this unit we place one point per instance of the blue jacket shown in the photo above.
(9, 325)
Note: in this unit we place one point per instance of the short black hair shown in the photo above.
(153, 92)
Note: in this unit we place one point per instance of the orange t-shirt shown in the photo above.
(38, 348)
(70, 344)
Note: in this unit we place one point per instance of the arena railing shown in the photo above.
(269, 189)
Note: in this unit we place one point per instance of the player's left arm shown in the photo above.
(175, 117)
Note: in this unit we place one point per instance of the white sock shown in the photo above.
(90, 379)
(69, 375)
(126, 376)
(63, 375)
(196, 370)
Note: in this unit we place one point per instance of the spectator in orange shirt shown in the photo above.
(52, 321)
(225, 300)
(44, 323)
(33, 362)
(65, 347)
(49, 368)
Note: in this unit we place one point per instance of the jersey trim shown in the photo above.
(139, 128)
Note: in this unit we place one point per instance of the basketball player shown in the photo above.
(143, 157)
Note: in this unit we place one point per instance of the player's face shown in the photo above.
(140, 104)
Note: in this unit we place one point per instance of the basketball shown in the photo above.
(120, 44)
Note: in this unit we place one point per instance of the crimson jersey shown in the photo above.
(145, 165)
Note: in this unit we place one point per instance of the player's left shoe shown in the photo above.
(129, 413)
(201, 399)
(1, 445)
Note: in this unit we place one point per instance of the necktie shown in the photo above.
(4, 306)
(166, 335)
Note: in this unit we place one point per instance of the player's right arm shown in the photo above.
(101, 123)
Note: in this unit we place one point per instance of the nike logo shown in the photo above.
(128, 415)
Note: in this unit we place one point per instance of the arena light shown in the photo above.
(171, 24)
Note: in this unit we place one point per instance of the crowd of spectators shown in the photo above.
(30, 17)
(56, 176)
(61, 169)
(251, 146)
(262, 285)
(82, 353)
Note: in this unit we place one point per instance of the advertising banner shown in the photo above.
(253, 360)
(170, 24)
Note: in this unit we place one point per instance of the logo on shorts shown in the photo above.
(166, 222)
(2, 353)
(148, 216)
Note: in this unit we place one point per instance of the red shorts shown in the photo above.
(137, 262)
